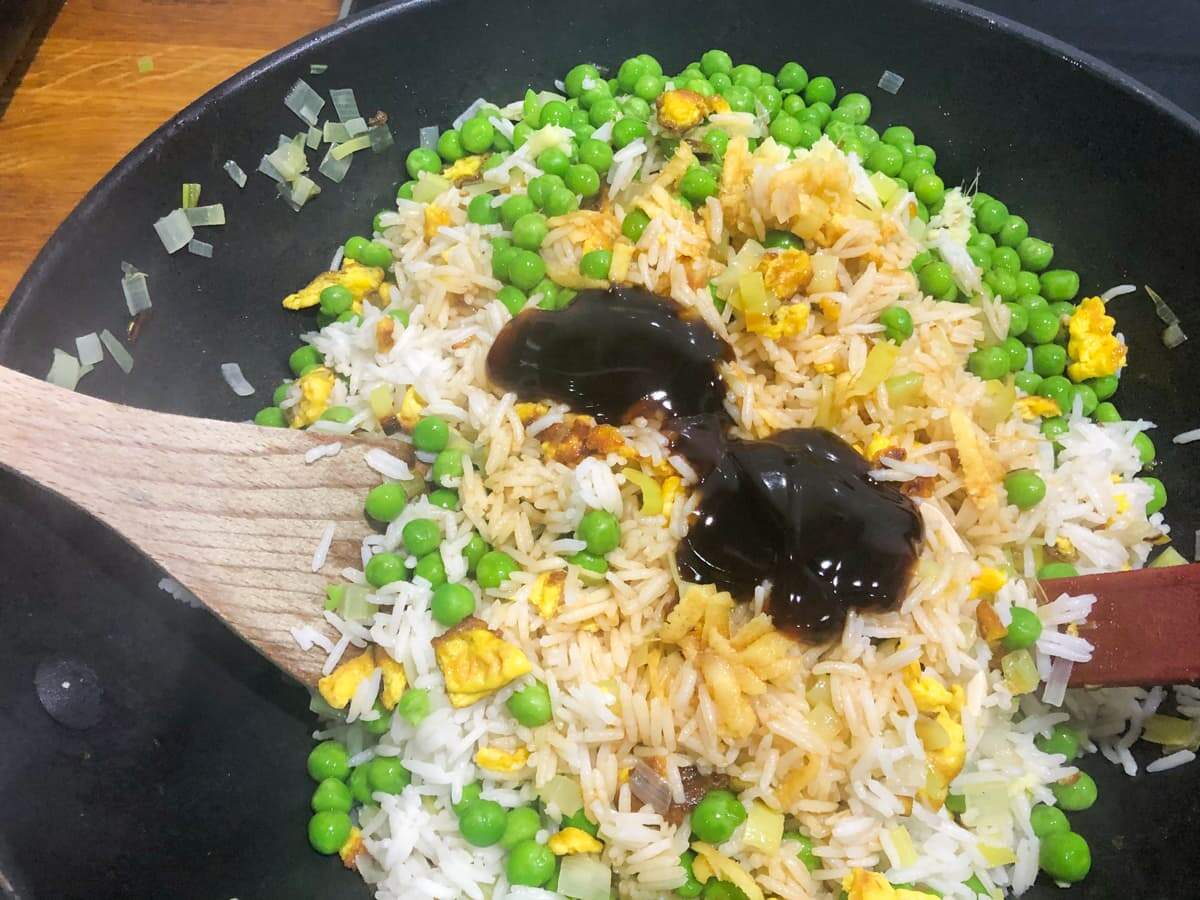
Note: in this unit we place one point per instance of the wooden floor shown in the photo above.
(82, 104)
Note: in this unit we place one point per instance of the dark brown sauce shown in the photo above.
(798, 509)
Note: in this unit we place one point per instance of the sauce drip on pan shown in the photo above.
(798, 509)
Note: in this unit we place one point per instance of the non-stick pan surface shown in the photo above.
(181, 770)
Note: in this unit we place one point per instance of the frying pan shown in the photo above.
(179, 769)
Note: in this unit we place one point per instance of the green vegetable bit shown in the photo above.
(1075, 793)
(451, 604)
(328, 759)
(494, 568)
(531, 705)
(431, 434)
(1024, 629)
(413, 706)
(1065, 857)
(1025, 488)
(529, 863)
(328, 831)
(385, 502)
(1048, 820)
(716, 816)
(386, 775)
(482, 823)
(332, 795)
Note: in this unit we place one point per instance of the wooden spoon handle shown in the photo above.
(231, 511)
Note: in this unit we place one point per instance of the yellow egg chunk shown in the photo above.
(339, 685)
(573, 840)
(863, 885)
(546, 595)
(410, 409)
(315, 386)
(497, 760)
(988, 581)
(1093, 349)
(465, 169)
(435, 218)
(358, 279)
(351, 848)
(1037, 407)
(476, 661)
(394, 679)
(786, 273)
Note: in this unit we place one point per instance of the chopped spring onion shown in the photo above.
(380, 137)
(288, 160)
(64, 370)
(334, 169)
(137, 294)
(469, 112)
(428, 137)
(174, 230)
(344, 104)
(351, 146)
(235, 172)
(303, 190)
(356, 126)
(318, 69)
(304, 101)
(145, 64)
(650, 787)
(200, 248)
(191, 195)
(335, 133)
(89, 348)
(119, 354)
(764, 828)
(206, 215)
(312, 140)
(232, 373)
(584, 877)
(890, 81)
(1173, 336)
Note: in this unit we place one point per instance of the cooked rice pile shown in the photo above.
(858, 741)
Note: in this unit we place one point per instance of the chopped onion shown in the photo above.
(428, 137)
(351, 146)
(890, 81)
(265, 166)
(563, 792)
(200, 248)
(312, 140)
(469, 112)
(235, 172)
(651, 491)
(344, 104)
(354, 606)
(206, 215)
(174, 230)
(650, 787)
(333, 168)
(335, 133)
(317, 69)
(356, 126)
(232, 373)
(1173, 336)
(584, 877)
(1166, 559)
(283, 191)
(128, 268)
(119, 354)
(304, 101)
(380, 137)
(137, 294)
(303, 190)
(1164, 312)
(288, 160)
(429, 187)
(191, 195)
(64, 370)
(89, 348)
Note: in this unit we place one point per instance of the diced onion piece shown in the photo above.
(312, 140)
(885, 187)
(128, 268)
(381, 400)
(341, 151)
(288, 160)
(1170, 731)
(235, 172)
(996, 856)
(206, 215)
(904, 389)
(469, 112)
(562, 791)
(906, 853)
(752, 296)
(344, 104)
(584, 878)
(265, 166)
(1173, 336)
(174, 230)
(651, 491)
(191, 195)
(824, 274)
(1164, 312)
(1166, 559)
(89, 348)
(381, 138)
(745, 260)
(1020, 671)
(996, 405)
(650, 787)
(304, 101)
(303, 190)
(878, 367)
(232, 373)
(200, 248)
(891, 82)
(137, 293)
(764, 828)
(933, 736)
(356, 126)
(334, 169)
(355, 606)
(429, 187)
(317, 68)
(64, 370)
(824, 721)
(119, 354)
(335, 133)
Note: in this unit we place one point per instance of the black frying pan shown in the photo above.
(184, 774)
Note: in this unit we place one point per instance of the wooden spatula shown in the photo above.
(234, 513)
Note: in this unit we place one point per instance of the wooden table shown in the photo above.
(83, 104)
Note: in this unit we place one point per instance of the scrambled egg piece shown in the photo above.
(945, 755)
(878, 446)
(546, 595)
(1034, 407)
(339, 685)
(1093, 349)
(670, 490)
(464, 170)
(530, 412)
(928, 693)
(351, 848)
(476, 661)
(980, 467)
(787, 321)
(435, 218)
(410, 409)
(863, 885)
(988, 581)
(497, 760)
(315, 386)
(786, 273)
(948, 760)
(830, 308)
(573, 840)
(712, 863)
(394, 679)
(358, 279)
(681, 110)
(735, 666)
(990, 625)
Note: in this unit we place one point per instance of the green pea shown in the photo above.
(1054, 427)
(1028, 381)
(574, 80)
(449, 146)
(332, 794)
(495, 159)
(927, 153)
(494, 568)
(1088, 398)
(328, 759)
(852, 145)
(1005, 259)
(303, 357)
(1144, 447)
(531, 705)
(451, 604)
(529, 231)
(990, 216)
(1043, 326)
(529, 863)
(897, 324)
(1027, 283)
(1076, 793)
(482, 823)
(929, 189)
(340, 414)
(421, 536)
(715, 889)
(521, 825)
(648, 87)
(470, 793)
(386, 501)
(444, 498)
(514, 207)
(387, 776)
(1106, 413)
(560, 201)
(384, 568)
(360, 787)
(270, 417)
(1024, 629)
(1016, 353)
(811, 861)
(503, 253)
(582, 179)
(786, 130)
(770, 98)
(701, 86)
(819, 90)
(1048, 820)
(1159, 498)
(604, 110)
(715, 61)
(629, 73)
(473, 551)
(716, 141)
(376, 255)
(431, 568)
(748, 75)
(1060, 284)
(1053, 570)
(988, 363)
(521, 133)
(1049, 359)
(413, 706)
(600, 530)
(595, 264)
(422, 159)
(1018, 319)
(956, 803)
(698, 184)
(634, 224)
(281, 393)
(1014, 230)
(590, 562)
(1064, 309)
(1025, 488)
(431, 434)
(791, 77)
(717, 816)
(1035, 254)
(380, 724)
(886, 159)
(481, 212)
(335, 300)
(553, 161)
(793, 104)
(1104, 386)
(328, 831)
(936, 279)
(448, 464)
(628, 130)
(526, 269)
(1032, 301)
(898, 135)
(547, 293)
(914, 169)
(691, 887)
(405, 191)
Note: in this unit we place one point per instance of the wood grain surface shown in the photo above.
(82, 104)
(231, 511)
